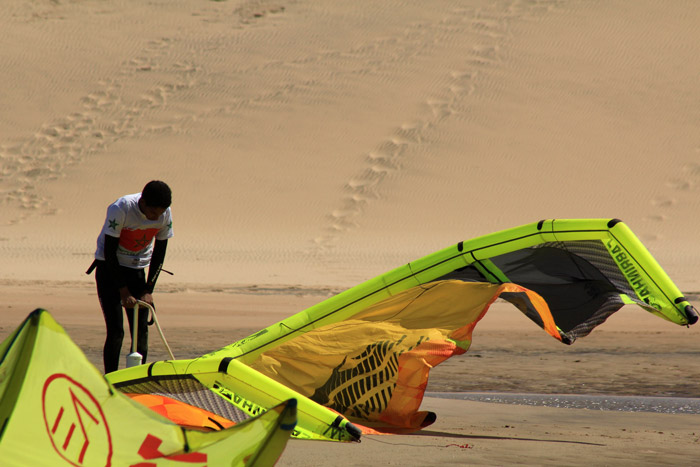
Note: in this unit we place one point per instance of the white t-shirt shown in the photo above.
(135, 232)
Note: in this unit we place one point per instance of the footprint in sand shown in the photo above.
(386, 160)
(657, 217)
(662, 202)
(105, 115)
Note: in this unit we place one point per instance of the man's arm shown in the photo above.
(157, 260)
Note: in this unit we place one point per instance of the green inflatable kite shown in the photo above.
(57, 409)
(365, 354)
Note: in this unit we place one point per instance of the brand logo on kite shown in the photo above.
(629, 268)
(241, 402)
(75, 422)
(150, 449)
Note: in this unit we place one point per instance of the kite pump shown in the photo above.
(135, 358)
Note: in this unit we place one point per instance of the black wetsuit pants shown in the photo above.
(110, 300)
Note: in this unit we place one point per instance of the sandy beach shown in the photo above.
(632, 354)
(312, 146)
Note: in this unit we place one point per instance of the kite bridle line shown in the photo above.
(141, 303)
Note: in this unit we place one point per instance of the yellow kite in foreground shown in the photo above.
(56, 409)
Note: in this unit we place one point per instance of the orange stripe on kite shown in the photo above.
(181, 413)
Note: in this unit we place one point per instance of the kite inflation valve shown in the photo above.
(692, 314)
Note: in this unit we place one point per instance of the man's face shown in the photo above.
(151, 213)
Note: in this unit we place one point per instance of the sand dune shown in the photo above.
(319, 143)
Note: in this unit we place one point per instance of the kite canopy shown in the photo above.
(584, 269)
(366, 353)
(57, 409)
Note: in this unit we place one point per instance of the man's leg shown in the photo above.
(136, 281)
(110, 301)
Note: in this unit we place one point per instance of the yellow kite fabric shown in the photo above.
(56, 409)
(374, 366)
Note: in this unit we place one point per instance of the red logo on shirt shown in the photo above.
(136, 240)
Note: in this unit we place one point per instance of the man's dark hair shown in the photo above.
(157, 194)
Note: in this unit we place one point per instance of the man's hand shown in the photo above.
(128, 300)
(148, 298)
